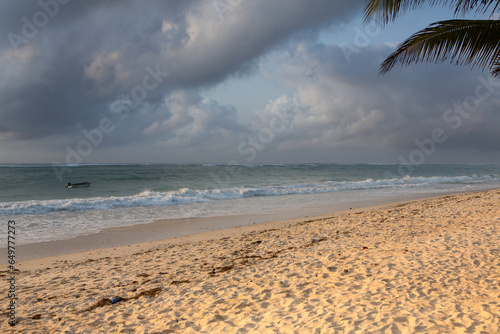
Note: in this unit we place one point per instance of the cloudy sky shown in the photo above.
(282, 81)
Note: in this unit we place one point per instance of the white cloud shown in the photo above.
(187, 119)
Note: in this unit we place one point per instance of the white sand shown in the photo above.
(428, 266)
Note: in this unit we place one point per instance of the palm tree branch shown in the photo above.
(385, 11)
(496, 65)
(473, 42)
(465, 6)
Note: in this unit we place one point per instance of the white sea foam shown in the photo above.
(186, 195)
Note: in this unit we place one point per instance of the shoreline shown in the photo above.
(124, 238)
(427, 265)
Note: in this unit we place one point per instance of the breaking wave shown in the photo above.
(186, 195)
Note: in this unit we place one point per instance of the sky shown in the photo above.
(231, 81)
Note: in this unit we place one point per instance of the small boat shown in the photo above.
(85, 184)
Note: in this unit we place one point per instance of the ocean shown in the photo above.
(36, 197)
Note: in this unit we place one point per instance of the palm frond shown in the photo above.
(463, 7)
(495, 67)
(385, 11)
(464, 42)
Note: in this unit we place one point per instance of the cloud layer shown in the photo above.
(64, 71)
(341, 104)
(139, 72)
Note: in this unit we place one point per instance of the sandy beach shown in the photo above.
(424, 266)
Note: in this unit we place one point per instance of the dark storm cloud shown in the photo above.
(64, 63)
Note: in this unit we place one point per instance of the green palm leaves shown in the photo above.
(464, 42)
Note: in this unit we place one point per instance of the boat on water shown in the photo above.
(85, 184)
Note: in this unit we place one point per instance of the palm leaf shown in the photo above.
(385, 11)
(465, 6)
(464, 42)
(495, 67)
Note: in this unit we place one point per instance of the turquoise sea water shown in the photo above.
(35, 196)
